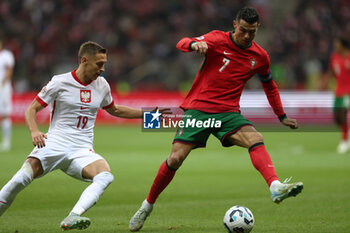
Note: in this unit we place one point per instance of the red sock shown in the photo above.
(163, 178)
(262, 162)
(344, 131)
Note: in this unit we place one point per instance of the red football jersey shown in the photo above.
(226, 68)
(341, 68)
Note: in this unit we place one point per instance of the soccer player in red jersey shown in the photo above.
(340, 69)
(231, 59)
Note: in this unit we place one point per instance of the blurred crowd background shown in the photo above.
(141, 36)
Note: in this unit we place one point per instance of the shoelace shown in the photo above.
(286, 181)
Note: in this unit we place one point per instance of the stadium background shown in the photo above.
(141, 37)
(144, 68)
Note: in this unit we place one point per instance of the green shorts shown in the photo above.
(342, 102)
(198, 134)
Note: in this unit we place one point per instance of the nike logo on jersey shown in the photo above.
(226, 53)
(83, 108)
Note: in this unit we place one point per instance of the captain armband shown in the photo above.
(265, 78)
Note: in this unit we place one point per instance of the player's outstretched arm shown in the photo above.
(273, 96)
(188, 45)
(131, 113)
(30, 115)
(124, 112)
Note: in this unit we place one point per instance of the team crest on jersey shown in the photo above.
(181, 131)
(253, 63)
(85, 96)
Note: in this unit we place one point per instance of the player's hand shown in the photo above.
(292, 123)
(166, 111)
(38, 139)
(200, 47)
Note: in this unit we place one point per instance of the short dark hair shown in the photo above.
(90, 48)
(248, 14)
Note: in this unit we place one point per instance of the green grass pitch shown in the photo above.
(210, 181)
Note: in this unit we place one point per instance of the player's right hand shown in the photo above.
(291, 123)
(200, 47)
(38, 139)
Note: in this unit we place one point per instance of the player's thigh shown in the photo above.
(49, 158)
(84, 164)
(191, 134)
(36, 166)
(340, 115)
(91, 170)
(245, 137)
(232, 123)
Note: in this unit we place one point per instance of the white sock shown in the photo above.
(93, 192)
(146, 205)
(6, 131)
(18, 182)
(273, 184)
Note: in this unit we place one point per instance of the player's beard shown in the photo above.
(245, 43)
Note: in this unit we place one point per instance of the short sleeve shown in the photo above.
(107, 100)
(9, 59)
(48, 93)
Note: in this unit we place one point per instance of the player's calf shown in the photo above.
(93, 192)
(18, 182)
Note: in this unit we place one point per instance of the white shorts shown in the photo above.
(60, 153)
(5, 100)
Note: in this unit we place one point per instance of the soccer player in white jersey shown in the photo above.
(7, 62)
(75, 98)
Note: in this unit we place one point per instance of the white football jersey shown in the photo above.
(74, 105)
(7, 60)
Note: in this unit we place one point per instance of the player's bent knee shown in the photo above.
(28, 168)
(256, 138)
(104, 178)
(175, 160)
(23, 177)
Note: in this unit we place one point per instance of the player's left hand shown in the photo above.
(200, 47)
(166, 111)
(292, 123)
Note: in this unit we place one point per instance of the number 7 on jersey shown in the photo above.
(226, 61)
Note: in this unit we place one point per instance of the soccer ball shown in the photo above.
(239, 219)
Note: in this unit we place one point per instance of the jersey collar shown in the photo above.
(233, 41)
(78, 80)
